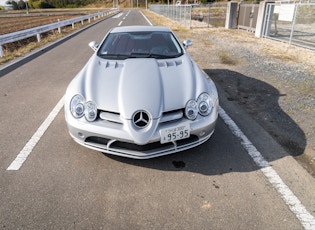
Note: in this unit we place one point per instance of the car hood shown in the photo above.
(126, 86)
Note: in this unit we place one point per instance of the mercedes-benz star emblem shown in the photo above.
(141, 119)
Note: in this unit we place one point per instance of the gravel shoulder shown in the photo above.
(272, 81)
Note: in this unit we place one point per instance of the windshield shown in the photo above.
(125, 45)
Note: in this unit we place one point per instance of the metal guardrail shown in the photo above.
(36, 31)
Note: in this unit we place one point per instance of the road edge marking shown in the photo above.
(146, 18)
(295, 205)
(25, 152)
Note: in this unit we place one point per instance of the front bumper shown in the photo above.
(113, 138)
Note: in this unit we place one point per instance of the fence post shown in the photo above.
(261, 17)
(38, 37)
(208, 15)
(231, 15)
(1, 52)
(59, 28)
(293, 22)
(190, 12)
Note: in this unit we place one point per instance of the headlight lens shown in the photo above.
(80, 108)
(77, 106)
(203, 106)
(90, 111)
(191, 110)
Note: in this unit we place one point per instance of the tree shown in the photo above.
(14, 5)
(21, 5)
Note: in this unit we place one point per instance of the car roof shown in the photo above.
(139, 29)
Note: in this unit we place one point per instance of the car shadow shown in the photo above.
(261, 101)
(223, 152)
(217, 156)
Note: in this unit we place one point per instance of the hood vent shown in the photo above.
(111, 64)
(170, 63)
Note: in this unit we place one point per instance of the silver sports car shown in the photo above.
(141, 96)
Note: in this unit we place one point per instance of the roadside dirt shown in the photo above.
(272, 81)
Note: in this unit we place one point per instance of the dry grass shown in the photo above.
(159, 20)
(226, 58)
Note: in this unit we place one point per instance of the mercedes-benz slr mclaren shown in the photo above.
(141, 95)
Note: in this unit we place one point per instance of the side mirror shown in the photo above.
(187, 43)
(94, 45)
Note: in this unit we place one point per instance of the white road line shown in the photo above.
(120, 23)
(25, 152)
(295, 205)
(146, 19)
(118, 15)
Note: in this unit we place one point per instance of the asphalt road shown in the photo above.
(229, 182)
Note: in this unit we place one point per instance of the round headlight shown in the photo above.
(203, 107)
(191, 110)
(77, 106)
(90, 111)
(204, 104)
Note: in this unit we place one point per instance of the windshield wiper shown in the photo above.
(153, 55)
(114, 56)
(137, 55)
(160, 56)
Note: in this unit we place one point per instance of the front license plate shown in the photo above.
(175, 133)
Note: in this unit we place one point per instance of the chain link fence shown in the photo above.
(194, 16)
(287, 21)
(293, 23)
